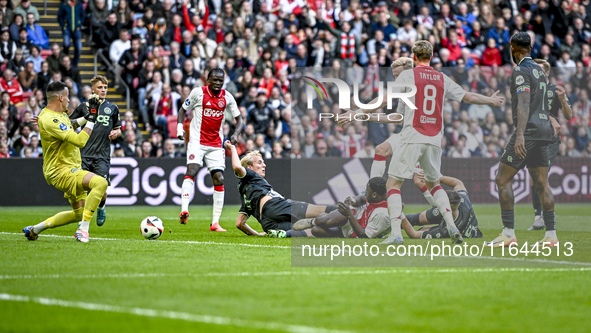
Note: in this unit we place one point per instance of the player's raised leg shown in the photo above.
(540, 179)
(188, 185)
(378, 167)
(58, 220)
(504, 181)
(97, 186)
(419, 181)
(218, 199)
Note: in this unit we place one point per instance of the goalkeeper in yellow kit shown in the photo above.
(62, 163)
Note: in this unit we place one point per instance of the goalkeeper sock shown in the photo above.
(395, 210)
(59, 219)
(188, 184)
(378, 166)
(98, 187)
(218, 203)
(428, 196)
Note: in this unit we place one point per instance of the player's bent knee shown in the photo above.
(99, 183)
(78, 212)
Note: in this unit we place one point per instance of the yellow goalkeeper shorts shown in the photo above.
(69, 181)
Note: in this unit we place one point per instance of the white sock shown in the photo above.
(549, 233)
(395, 211)
(508, 232)
(188, 184)
(218, 205)
(428, 196)
(442, 202)
(38, 228)
(378, 166)
(83, 225)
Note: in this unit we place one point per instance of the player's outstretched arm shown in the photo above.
(239, 125)
(236, 166)
(410, 231)
(245, 228)
(493, 100)
(457, 184)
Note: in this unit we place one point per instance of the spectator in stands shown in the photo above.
(70, 17)
(4, 151)
(26, 8)
(132, 61)
(24, 139)
(32, 108)
(69, 70)
(10, 84)
(146, 149)
(86, 92)
(55, 59)
(260, 114)
(140, 30)
(165, 105)
(569, 46)
(571, 151)
(17, 23)
(130, 148)
(190, 76)
(169, 151)
(156, 141)
(28, 77)
(118, 47)
(459, 150)
(7, 46)
(491, 55)
(35, 150)
(124, 14)
(35, 58)
(176, 58)
(17, 64)
(37, 34)
(108, 32)
(128, 124)
(566, 66)
(587, 151)
(206, 45)
(388, 29)
(217, 32)
(500, 33)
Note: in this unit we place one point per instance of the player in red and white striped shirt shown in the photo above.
(420, 138)
(209, 104)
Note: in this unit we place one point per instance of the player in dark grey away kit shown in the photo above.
(96, 155)
(275, 213)
(557, 100)
(462, 211)
(528, 145)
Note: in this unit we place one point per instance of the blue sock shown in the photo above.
(549, 220)
(508, 217)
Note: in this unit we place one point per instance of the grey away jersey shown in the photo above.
(529, 77)
(554, 104)
(98, 144)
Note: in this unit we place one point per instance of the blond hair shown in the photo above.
(97, 79)
(544, 64)
(423, 50)
(246, 161)
(402, 61)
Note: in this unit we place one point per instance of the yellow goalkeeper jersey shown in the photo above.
(61, 144)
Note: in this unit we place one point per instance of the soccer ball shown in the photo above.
(151, 227)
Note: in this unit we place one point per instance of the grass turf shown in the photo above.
(193, 280)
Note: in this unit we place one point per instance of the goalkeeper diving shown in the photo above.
(62, 162)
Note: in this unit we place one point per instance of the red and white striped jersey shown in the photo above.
(425, 124)
(208, 114)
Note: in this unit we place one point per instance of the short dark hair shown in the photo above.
(22, 29)
(378, 185)
(454, 197)
(54, 89)
(216, 70)
(521, 39)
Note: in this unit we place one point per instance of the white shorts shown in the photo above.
(404, 161)
(393, 140)
(215, 158)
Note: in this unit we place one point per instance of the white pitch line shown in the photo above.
(206, 319)
(161, 241)
(290, 247)
(294, 273)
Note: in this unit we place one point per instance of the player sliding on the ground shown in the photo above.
(96, 154)
(275, 213)
(205, 140)
(368, 218)
(529, 143)
(420, 139)
(557, 100)
(62, 163)
(462, 212)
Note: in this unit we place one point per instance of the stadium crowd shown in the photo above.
(163, 49)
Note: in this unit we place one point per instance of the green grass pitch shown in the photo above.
(193, 280)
